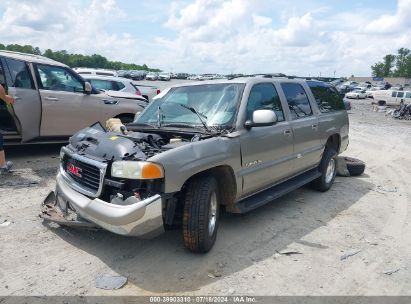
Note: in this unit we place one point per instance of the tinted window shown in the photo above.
(264, 96)
(2, 75)
(100, 84)
(393, 94)
(20, 74)
(400, 94)
(297, 99)
(56, 78)
(327, 97)
(120, 85)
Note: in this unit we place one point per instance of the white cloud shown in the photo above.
(390, 24)
(216, 35)
(71, 26)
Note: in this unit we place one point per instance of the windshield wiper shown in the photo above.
(200, 115)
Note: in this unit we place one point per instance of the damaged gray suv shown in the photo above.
(235, 144)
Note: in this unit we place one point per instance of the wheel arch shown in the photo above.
(334, 142)
(225, 177)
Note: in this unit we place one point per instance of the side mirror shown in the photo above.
(262, 118)
(87, 87)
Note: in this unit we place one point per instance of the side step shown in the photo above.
(276, 191)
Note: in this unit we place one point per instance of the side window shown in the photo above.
(327, 98)
(20, 74)
(394, 94)
(101, 84)
(120, 85)
(264, 96)
(2, 75)
(297, 100)
(400, 94)
(408, 95)
(55, 78)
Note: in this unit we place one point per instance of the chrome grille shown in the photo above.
(83, 174)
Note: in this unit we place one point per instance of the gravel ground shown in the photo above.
(352, 240)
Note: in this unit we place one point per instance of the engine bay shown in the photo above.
(96, 142)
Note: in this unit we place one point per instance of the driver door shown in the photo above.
(66, 107)
(267, 152)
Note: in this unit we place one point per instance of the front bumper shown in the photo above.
(142, 218)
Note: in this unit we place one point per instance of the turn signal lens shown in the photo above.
(151, 171)
(136, 170)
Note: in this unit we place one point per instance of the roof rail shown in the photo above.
(263, 75)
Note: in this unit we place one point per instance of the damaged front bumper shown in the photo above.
(68, 207)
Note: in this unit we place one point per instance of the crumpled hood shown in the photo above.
(113, 146)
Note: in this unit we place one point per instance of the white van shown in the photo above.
(90, 71)
(391, 97)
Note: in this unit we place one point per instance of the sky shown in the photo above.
(304, 38)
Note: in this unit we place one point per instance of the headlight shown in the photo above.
(136, 170)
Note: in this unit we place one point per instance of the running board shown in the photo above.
(276, 191)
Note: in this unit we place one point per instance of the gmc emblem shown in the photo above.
(76, 171)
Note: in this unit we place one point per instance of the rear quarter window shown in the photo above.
(326, 97)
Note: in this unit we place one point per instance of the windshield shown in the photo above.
(216, 105)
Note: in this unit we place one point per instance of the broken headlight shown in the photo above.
(136, 170)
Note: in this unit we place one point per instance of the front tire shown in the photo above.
(201, 214)
(328, 170)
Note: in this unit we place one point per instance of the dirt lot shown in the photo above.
(353, 240)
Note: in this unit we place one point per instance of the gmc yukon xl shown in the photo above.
(235, 144)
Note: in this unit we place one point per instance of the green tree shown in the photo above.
(403, 59)
(77, 60)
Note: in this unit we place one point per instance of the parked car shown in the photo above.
(90, 71)
(369, 93)
(181, 76)
(164, 76)
(152, 76)
(109, 83)
(356, 94)
(392, 97)
(147, 91)
(238, 143)
(52, 102)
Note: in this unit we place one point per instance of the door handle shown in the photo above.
(51, 98)
(315, 126)
(287, 132)
(110, 102)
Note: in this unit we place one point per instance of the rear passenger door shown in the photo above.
(267, 152)
(26, 109)
(304, 123)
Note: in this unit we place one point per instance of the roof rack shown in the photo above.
(262, 75)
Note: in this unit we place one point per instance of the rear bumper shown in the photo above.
(140, 218)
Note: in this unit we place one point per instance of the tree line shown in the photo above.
(398, 65)
(77, 60)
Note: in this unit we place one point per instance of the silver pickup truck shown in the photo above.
(235, 144)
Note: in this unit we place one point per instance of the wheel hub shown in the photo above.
(212, 214)
(329, 174)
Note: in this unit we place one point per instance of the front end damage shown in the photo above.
(67, 207)
(91, 191)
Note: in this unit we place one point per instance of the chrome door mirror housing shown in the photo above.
(262, 118)
(87, 87)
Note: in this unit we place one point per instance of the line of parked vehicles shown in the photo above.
(382, 92)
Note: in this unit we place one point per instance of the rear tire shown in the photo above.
(328, 170)
(354, 166)
(201, 214)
